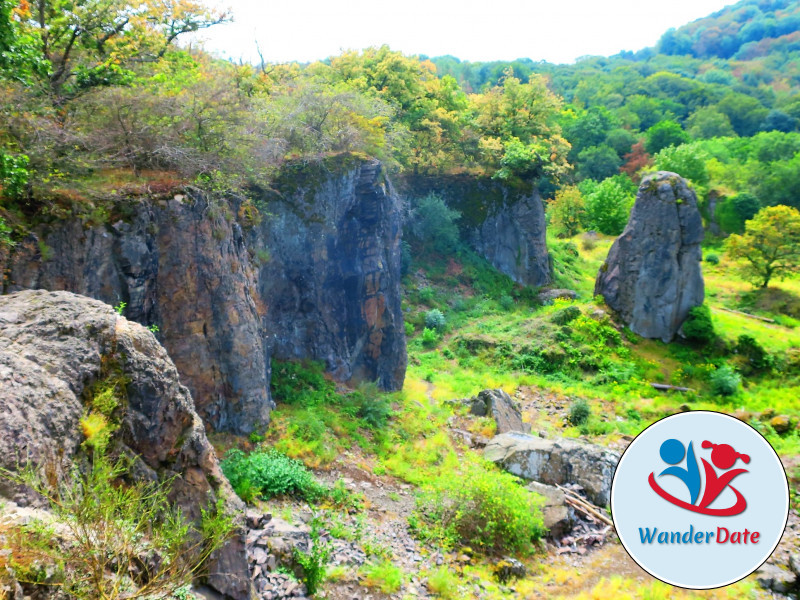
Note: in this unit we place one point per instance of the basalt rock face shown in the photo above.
(54, 346)
(652, 275)
(333, 276)
(180, 264)
(503, 224)
(315, 273)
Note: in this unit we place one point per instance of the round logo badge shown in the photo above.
(700, 500)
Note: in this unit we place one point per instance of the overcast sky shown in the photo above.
(553, 30)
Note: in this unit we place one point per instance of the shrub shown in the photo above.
(506, 302)
(579, 412)
(426, 295)
(480, 507)
(269, 473)
(301, 384)
(409, 327)
(566, 315)
(116, 532)
(698, 326)
(314, 563)
(435, 319)
(429, 338)
(433, 224)
(370, 406)
(725, 381)
(588, 243)
(758, 359)
(712, 259)
(5, 234)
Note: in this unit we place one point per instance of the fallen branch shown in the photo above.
(583, 505)
(748, 315)
(664, 387)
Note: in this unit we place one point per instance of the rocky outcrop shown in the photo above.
(652, 275)
(333, 277)
(501, 407)
(54, 346)
(311, 270)
(556, 462)
(504, 224)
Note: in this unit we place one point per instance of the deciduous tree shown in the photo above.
(769, 247)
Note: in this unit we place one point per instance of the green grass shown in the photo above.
(385, 576)
(315, 423)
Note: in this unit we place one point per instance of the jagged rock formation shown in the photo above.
(53, 347)
(505, 225)
(313, 273)
(554, 462)
(501, 407)
(652, 275)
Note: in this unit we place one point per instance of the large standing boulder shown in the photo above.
(556, 462)
(54, 347)
(652, 275)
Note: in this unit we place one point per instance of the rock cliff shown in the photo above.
(310, 269)
(54, 346)
(652, 275)
(505, 225)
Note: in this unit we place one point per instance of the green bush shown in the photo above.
(433, 224)
(269, 473)
(579, 412)
(301, 384)
(409, 327)
(370, 406)
(506, 302)
(712, 259)
(480, 507)
(314, 563)
(566, 315)
(758, 359)
(429, 338)
(725, 381)
(112, 525)
(698, 326)
(426, 295)
(435, 319)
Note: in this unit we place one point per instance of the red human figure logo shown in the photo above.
(724, 457)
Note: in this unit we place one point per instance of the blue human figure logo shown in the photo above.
(672, 452)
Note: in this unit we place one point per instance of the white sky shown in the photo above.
(553, 30)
